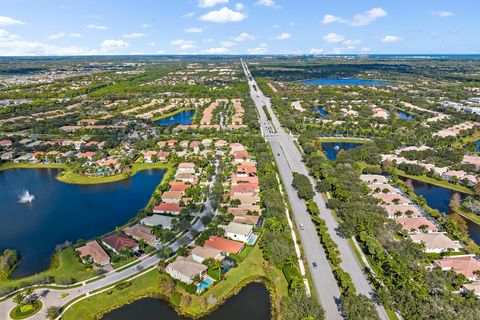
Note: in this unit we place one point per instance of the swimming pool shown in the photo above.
(204, 285)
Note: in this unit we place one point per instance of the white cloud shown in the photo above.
(151, 44)
(283, 36)
(56, 36)
(188, 15)
(365, 49)
(184, 44)
(13, 45)
(145, 25)
(316, 51)
(134, 35)
(97, 27)
(258, 50)
(244, 37)
(360, 19)
(223, 15)
(75, 35)
(210, 3)
(160, 52)
(331, 18)
(442, 14)
(239, 6)
(193, 30)
(7, 21)
(390, 38)
(220, 50)
(209, 40)
(114, 44)
(333, 37)
(265, 3)
(226, 44)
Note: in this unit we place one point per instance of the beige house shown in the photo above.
(436, 242)
(185, 269)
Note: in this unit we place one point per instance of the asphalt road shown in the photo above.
(289, 160)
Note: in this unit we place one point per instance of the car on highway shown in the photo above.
(301, 226)
(314, 264)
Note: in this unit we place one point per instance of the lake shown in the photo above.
(321, 110)
(345, 82)
(332, 149)
(439, 198)
(403, 115)
(183, 118)
(64, 212)
(252, 303)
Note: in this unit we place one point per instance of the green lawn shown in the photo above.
(253, 267)
(467, 214)
(25, 311)
(64, 264)
(440, 183)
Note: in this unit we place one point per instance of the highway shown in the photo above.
(289, 160)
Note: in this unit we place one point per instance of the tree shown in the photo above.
(303, 186)
(53, 312)
(19, 298)
(455, 200)
(358, 307)
(182, 251)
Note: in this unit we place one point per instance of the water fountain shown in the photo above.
(26, 197)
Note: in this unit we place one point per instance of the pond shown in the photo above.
(403, 115)
(183, 118)
(477, 145)
(252, 303)
(345, 82)
(439, 198)
(321, 110)
(332, 149)
(64, 212)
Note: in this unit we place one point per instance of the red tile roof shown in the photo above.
(466, 265)
(167, 207)
(225, 245)
(119, 241)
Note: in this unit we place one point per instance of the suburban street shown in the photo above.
(53, 297)
(289, 160)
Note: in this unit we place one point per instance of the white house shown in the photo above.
(185, 269)
(238, 231)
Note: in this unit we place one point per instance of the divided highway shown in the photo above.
(289, 160)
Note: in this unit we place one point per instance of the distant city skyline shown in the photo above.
(88, 27)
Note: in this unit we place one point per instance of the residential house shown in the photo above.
(185, 177)
(5, 143)
(468, 265)
(172, 196)
(186, 167)
(227, 246)
(201, 253)
(418, 224)
(185, 269)
(158, 220)
(408, 210)
(92, 251)
(238, 231)
(168, 208)
(391, 198)
(436, 242)
(373, 178)
(141, 232)
(119, 241)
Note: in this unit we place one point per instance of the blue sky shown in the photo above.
(76, 27)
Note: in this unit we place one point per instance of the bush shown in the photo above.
(123, 285)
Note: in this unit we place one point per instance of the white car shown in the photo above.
(301, 226)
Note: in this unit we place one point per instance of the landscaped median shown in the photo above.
(159, 285)
(24, 311)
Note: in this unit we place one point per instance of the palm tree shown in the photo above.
(19, 298)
